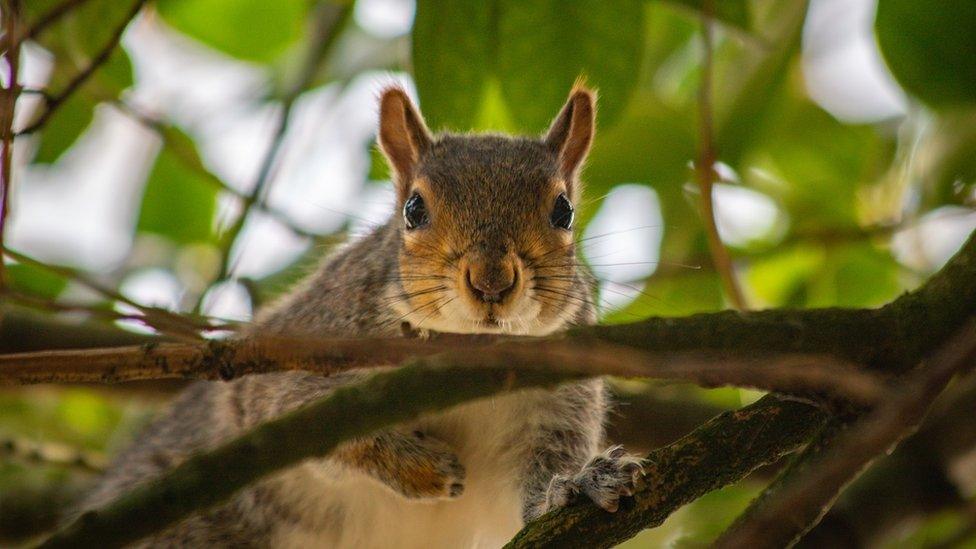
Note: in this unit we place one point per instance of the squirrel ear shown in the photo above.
(572, 131)
(403, 136)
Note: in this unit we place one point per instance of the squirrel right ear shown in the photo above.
(403, 136)
(572, 131)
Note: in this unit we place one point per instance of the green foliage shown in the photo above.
(929, 48)
(542, 47)
(507, 65)
(254, 30)
(535, 56)
(178, 202)
(35, 281)
(452, 57)
(75, 41)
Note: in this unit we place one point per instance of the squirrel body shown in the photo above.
(484, 245)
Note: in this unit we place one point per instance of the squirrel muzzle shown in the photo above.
(491, 278)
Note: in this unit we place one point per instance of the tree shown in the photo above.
(717, 85)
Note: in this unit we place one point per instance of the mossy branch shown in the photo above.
(720, 452)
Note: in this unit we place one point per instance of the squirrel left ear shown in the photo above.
(403, 136)
(572, 131)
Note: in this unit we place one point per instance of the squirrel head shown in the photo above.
(486, 221)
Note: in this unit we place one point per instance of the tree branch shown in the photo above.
(314, 430)
(705, 168)
(54, 101)
(798, 374)
(8, 106)
(792, 511)
(721, 452)
(166, 133)
(329, 20)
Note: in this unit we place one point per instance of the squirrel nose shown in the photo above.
(491, 285)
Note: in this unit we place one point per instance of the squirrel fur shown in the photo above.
(481, 250)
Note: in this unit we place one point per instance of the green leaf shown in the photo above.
(35, 281)
(733, 12)
(254, 30)
(63, 129)
(536, 50)
(672, 294)
(178, 203)
(544, 46)
(930, 48)
(379, 170)
(74, 41)
(814, 166)
(859, 275)
(748, 78)
(452, 59)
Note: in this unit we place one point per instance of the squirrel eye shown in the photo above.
(562, 213)
(415, 212)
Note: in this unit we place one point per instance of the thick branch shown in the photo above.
(911, 483)
(721, 452)
(801, 374)
(792, 511)
(206, 480)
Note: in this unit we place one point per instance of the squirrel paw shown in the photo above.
(428, 468)
(605, 479)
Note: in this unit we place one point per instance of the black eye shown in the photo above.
(562, 213)
(415, 212)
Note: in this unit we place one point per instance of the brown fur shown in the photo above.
(489, 199)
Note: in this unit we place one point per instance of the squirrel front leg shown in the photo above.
(412, 463)
(565, 462)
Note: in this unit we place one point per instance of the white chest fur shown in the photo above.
(352, 510)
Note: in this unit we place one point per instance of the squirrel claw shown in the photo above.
(605, 479)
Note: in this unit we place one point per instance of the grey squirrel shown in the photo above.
(482, 243)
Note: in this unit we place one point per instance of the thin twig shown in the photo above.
(787, 515)
(11, 18)
(167, 322)
(54, 101)
(329, 19)
(52, 17)
(705, 168)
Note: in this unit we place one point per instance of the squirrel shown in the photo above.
(482, 242)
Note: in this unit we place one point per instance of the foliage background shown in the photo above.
(846, 134)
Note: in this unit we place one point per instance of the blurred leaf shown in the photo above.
(253, 30)
(814, 165)
(452, 58)
(733, 12)
(672, 294)
(379, 170)
(35, 281)
(781, 280)
(178, 203)
(543, 46)
(63, 129)
(749, 76)
(859, 275)
(951, 149)
(930, 48)
(74, 41)
(535, 49)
